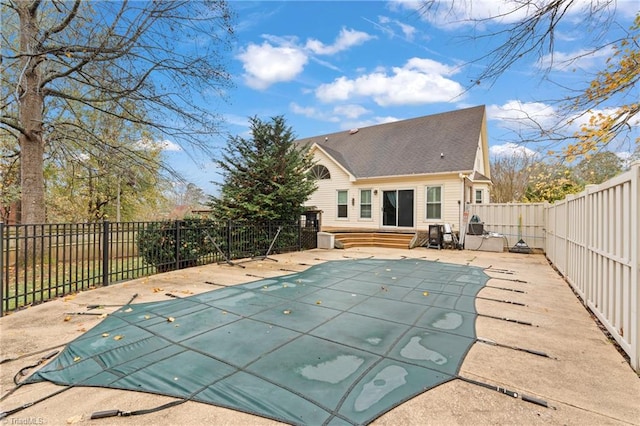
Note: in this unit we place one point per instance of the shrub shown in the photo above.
(174, 245)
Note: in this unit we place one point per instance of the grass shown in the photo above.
(38, 283)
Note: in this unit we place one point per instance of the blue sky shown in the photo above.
(336, 65)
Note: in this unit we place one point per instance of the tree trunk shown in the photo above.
(31, 104)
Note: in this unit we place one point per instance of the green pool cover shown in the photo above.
(340, 343)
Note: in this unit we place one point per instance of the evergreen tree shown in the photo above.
(265, 176)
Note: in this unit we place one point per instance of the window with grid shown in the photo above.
(434, 202)
(365, 204)
(319, 172)
(343, 201)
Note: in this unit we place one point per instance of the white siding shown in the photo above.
(325, 198)
(479, 164)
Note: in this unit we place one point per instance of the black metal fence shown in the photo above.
(42, 262)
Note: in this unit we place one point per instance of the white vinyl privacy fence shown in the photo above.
(593, 239)
(514, 221)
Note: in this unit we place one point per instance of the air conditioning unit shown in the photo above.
(476, 228)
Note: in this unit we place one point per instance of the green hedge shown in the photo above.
(174, 245)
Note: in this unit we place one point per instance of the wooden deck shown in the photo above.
(374, 239)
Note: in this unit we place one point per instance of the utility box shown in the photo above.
(484, 243)
(326, 240)
(476, 228)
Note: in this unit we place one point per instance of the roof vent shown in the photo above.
(442, 155)
(353, 131)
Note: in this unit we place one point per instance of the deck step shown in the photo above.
(374, 239)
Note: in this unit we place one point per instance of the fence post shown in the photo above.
(299, 234)
(635, 267)
(178, 222)
(229, 239)
(105, 253)
(1, 269)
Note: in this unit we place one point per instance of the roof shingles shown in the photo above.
(407, 147)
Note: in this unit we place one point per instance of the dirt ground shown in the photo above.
(585, 380)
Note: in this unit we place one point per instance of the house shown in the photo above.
(403, 176)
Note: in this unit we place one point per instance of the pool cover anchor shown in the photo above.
(507, 319)
(506, 289)
(510, 302)
(90, 307)
(508, 392)
(509, 279)
(515, 348)
(499, 270)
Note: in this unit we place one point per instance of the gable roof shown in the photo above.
(408, 147)
(476, 176)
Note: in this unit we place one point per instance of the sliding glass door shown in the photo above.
(397, 208)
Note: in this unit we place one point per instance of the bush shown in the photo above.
(174, 245)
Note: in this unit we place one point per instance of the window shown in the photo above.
(434, 202)
(478, 196)
(365, 204)
(319, 172)
(343, 198)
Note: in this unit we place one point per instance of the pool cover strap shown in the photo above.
(119, 413)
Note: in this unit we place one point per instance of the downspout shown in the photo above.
(462, 206)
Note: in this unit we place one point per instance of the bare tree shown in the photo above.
(525, 30)
(148, 63)
(530, 28)
(510, 176)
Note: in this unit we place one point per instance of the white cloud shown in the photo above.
(236, 120)
(281, 59)
(346, 39)
(306, 111)
(453, 14)
(359, 124)
(580, 59)
(517, 115)
(385, 24)
(408, 30)
(337, 115)
(266, 64)
(582, 119)
(511, 149)
(314, 113)
(163, 145)
(350, 111)
(419, 81)
(628, 8)
(167, 145)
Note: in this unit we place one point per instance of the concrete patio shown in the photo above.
(584, 381)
